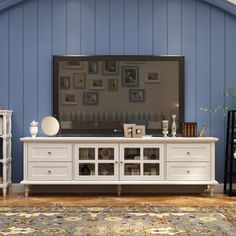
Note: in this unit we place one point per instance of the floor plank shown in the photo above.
(113, 200)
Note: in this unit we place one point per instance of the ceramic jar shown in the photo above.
(33, 128)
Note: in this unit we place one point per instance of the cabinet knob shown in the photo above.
(121, 162)
(116, 162)
(188, 153)
(49, 153)
(188, 172)
(49, 171)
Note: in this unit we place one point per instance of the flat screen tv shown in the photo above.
(96, 95)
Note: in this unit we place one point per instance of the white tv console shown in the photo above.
(119, 161)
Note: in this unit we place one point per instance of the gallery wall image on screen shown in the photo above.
(98, 94)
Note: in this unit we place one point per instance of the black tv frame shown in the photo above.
(111, 132)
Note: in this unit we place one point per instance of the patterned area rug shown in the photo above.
(109, 221)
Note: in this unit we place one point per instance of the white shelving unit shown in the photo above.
(5, 148)
(119, 161)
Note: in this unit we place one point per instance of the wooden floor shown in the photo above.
(113, 200)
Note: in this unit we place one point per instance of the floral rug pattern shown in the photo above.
(111, 221)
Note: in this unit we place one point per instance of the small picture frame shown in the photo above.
(136, 95)
(90, 98)
(112, 85)
(92, 67)
(69, 98)
(73, 64)
(96, 83)
(153, 77)
(110, 68)
(128, 130)
(79, 80)
(139, 131)
(65, 82)
(130, 76)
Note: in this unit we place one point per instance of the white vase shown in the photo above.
(33, 128)
(173, 127)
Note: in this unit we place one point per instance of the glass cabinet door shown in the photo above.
(96, 162)
(142, 162)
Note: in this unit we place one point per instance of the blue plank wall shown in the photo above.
(32, 31)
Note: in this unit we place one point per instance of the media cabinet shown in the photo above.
(119, 161)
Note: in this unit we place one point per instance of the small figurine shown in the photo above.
(202, 132)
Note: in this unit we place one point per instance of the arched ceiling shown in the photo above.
(226, 5)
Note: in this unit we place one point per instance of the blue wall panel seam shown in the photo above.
(138, 29)
(37, 59)
(210, 102)
(196, 74)
(167, 25)
(66, 40)
(8, 60)
(23, 65)
(109, 28)
(95, 28)
(80, 26)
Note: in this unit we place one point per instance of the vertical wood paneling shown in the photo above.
(203, 64)
(174, 27)
(88, 27)
(31, 32)
(102, 27)
(230, 52)
(116, 27)
(217, 85)
(4, 103)
(189, 51)
(16, 83)
(44, 59)
(131, 27)
(160, 27)
(59, 26)
(145, 27)
(73, 26)
(30, 64)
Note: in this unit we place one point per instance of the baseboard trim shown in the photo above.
(19, 188)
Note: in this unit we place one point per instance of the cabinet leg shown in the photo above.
(212, 190)
(4, 190)
(119, 188)
(26, 190)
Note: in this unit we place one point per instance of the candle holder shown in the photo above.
(165, 130)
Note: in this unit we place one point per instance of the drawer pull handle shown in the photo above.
(49, 153)
(49, 172)
(188, 172)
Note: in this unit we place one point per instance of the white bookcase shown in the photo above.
(119, 161)
(5, 149)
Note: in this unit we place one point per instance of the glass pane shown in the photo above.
(86, 169)
(150, 169)
(105, 153)
(151, 154)
(132, 169)
(87, 153)
(132, 154)
(105, 169)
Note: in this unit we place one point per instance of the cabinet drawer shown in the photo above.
(188, 171)
(50, 152)
(49, 171)
(188, 152)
